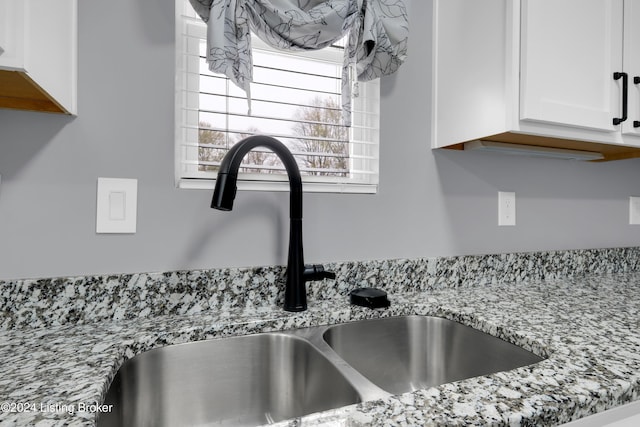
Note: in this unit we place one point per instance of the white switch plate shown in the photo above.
(117, 205)
(506, 208)
(634, 210)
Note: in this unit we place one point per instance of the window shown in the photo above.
(295, 97)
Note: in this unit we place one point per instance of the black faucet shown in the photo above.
(295, 294)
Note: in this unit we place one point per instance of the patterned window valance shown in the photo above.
(377, 32)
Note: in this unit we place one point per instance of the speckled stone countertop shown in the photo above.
(587, 326)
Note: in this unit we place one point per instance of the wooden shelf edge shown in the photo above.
(610, 152)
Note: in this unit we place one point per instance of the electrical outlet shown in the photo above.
(506, 208)
(634, 210)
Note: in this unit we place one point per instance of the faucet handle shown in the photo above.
(317, 272)
(329, 275)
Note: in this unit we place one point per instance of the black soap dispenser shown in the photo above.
(369, 297)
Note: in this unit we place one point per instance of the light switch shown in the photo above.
(117, 211)
(116, 205)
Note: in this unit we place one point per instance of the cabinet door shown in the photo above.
(569, 52)
(632, 65)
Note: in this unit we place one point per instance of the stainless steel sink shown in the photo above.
(269, 377)
(241, 381)
(402, 354)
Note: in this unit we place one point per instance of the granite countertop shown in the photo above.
(588, 329)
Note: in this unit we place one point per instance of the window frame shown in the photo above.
(364, 133)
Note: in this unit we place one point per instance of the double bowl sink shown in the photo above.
(270, 377)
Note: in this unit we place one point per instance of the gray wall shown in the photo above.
(429, 203)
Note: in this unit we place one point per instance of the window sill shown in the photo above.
(307, 187)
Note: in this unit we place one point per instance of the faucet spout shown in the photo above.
(295, 297)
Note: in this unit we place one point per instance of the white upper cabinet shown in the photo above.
(468, 70)
(538, 72)
(38, 55)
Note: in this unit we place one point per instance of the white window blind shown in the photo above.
(295, 97)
